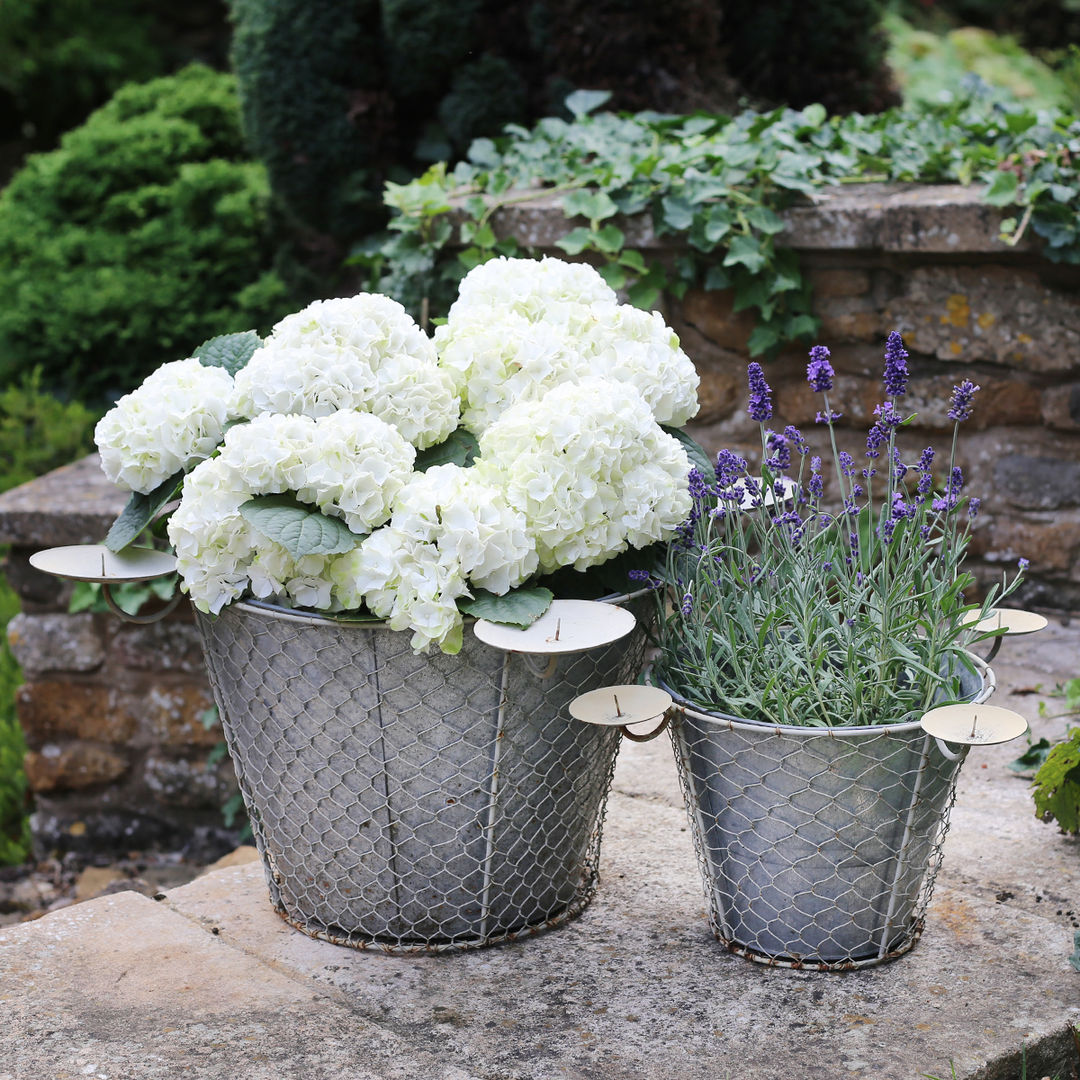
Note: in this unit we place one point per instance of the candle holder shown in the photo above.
(623, 707)
(1011, 621)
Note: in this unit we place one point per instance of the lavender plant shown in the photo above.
(789, 610)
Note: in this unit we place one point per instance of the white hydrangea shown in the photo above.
(591, 470)
(361, 353)
(349, 465)
(172, 421)
(450, 530)
(530, 286)
(521, 327)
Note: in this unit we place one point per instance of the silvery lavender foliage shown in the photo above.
(793, 609)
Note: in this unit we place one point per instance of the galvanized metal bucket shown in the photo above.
(818, 847)
(413, 802)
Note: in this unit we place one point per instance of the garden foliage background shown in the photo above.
(170, 173)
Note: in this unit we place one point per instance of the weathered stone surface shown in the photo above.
(169, 645)
(72, 505)
(712, 314)
(187, 782)
(836, 283)
(49, 708)
(48, 643)
(170, 716)
(1037, 483)
(1061, 407)
(242, 856)
(840, 326)
(72, 766)
(988, 314)
(1051, 546)
(36, 591)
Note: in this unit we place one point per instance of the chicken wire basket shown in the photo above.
(413, 802)
(818, 848)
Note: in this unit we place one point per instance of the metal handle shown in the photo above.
(649, 736)
(157, 616)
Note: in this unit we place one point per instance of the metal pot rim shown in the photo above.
(736, 723)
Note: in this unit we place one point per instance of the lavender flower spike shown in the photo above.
(960, 404)
(896, 371)
(760, 408)
(819, 372)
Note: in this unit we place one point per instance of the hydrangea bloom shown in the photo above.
(591, 471)
(171, 422)
(350, 465)
(521, 327)
(361, 352)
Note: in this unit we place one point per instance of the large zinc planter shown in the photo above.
(411, 801)
(818, 847)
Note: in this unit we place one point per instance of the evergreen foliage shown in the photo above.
(142, 235)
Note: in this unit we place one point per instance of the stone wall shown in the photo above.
(926, 261)
(119, 757)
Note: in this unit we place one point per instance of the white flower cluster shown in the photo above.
(173, 420)
(450, 529)
(521, 327)
(350, 465)
(361, 352)
(591, 471)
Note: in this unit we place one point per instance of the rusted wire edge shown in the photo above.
(571, 911)
(820, 965)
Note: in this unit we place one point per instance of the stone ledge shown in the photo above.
(75, 504)
(895, 218)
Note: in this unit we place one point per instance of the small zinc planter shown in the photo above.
(818, 847)
(414, 802)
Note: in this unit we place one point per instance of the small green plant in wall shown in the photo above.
(722, 183)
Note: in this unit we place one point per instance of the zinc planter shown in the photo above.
(413, 802)
(818, 847)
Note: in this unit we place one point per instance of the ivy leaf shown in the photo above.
(678, 214)
(1057, 784)
(765, 220)
(813, 116)
(297, 528)
(610, 239)
(594, 205)
(228, 351)
(614, 275)
(575, 241)
(1032, 758)
(634, 260)
(518, 607)
(140, 511)
(643, 294)
(459, 448)
(745, 251)
(582, 102)
(762, 339)
(1002, 189)
(717, 278)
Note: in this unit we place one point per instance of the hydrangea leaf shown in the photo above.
(140, 511)
(228, 351)
(518, 607)
(458, 449)
(297, 528)
(699, 459)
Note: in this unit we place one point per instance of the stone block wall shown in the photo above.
(926, 261)
(118, 755)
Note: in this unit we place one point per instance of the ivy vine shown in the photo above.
(722, 182)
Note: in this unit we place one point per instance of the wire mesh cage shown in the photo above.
(413, 802)
(818, 847)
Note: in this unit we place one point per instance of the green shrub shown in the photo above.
(145, 233)
(38, 432)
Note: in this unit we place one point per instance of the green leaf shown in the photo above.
(459, 448)
(575, 241)
(699, 459)
(1002, 189)
(813, 116)
(140, 511)
(614, 275)
(594, 205)
(761, 339)
(745, 251)
(582, 102)
(1057, 784)
(228, 351)
(717, 278)
(519, 607)
(678, 214)
(634, 261)
(297, 528)
(765, 220)
(1032, 758)
(609, 239)
(644, 295)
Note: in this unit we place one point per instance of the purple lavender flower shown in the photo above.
(888, 527)
(639, 575)
(781, 452)
(956, 480)
(1023, 564)
(819, 372)
(697, 486)
(817, 481)
(856, 490)
(896, 371)
(687, 604)
(826, 566)
(729, 467)
(876, 438)
(827, 418)
(795, 437)
(887, 416)
(760, 407)
(926, 460)
(847, 463)
(973, 508)
(899, 468)
(960, 403)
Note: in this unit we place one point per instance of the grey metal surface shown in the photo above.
(817, 847)
(413, 801)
